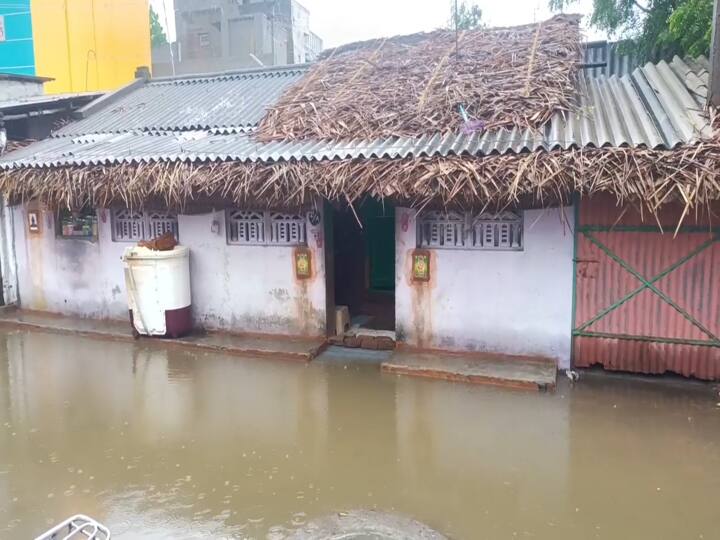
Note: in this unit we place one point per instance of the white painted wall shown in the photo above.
(8, 263)
(514, 302)
(252, 288)
(234, 288)
(74, 277)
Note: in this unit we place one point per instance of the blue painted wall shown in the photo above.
(17, 55)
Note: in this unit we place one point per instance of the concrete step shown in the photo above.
(282, 347)
(528, 373)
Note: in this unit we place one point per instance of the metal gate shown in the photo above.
(646, 300)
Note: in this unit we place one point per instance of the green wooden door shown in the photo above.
(379, 222)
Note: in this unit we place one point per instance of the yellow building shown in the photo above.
(89, 44)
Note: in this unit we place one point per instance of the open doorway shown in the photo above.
(364, 266)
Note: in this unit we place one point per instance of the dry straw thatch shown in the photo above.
(415, 85)
(689, 174)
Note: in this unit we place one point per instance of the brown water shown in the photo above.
(168, 444)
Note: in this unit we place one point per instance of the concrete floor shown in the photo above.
(235, 344)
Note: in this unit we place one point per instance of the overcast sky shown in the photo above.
(344, 21)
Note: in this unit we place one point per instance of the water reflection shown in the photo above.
(172, 444)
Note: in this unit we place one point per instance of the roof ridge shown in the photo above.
(260, 70)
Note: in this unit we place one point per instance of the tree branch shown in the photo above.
(643, 8)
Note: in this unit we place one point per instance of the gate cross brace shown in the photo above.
(649, 284)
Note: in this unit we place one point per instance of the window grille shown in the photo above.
(159, 223)
(249, 227)
(442, 229)
(456, 230)
(133, 226)
(246, 227)
(287, 229)
(128, 226)
(500, 231)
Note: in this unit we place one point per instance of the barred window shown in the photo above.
(499, 231)
(287, 229)
(442, 229)
(133, 226)
(250, 227)
(245, 227)
(128, 226)
(159, 223)
(456, 230)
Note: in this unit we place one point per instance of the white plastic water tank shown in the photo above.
(158, 286)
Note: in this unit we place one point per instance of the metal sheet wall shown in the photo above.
(646, 300)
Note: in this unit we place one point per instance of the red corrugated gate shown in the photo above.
(647, 300)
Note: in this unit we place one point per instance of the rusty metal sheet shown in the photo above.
(605, 210)
(648, 358)
(646, 301)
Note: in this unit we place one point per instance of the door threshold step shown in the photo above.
(365, 338)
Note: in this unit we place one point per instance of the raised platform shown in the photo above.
(281, 347)
(527, 373)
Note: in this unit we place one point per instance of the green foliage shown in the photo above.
(690, 25)
(157, 32)
(467, 16)
(653, 27)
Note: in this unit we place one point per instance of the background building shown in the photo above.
(218, 35)
(28, 114)
(78, 43)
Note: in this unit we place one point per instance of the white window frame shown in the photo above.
(265, 228)
(149, 224)
(503, 231)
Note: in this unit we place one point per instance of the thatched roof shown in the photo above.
(417, 85)
(689, 174)
(644, 137)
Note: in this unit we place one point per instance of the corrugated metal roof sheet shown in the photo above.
(229, 101)
(657, 106)
(605, 58)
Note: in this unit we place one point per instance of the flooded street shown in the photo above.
(172, 444)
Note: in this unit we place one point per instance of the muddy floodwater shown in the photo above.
(162, 444)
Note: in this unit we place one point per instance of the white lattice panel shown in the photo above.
(440, 229)
(287, 229)
(246, 227)
(458, 230)
(158, 223)
(133, 226)
(127, 226)
(502, 231)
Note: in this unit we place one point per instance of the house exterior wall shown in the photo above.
(14, 89)
(514, 302)
(78, 43)
(252, 288)
(73, 277)
(83, 47)
(234, 288)
(8, 264)
(16, 51)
